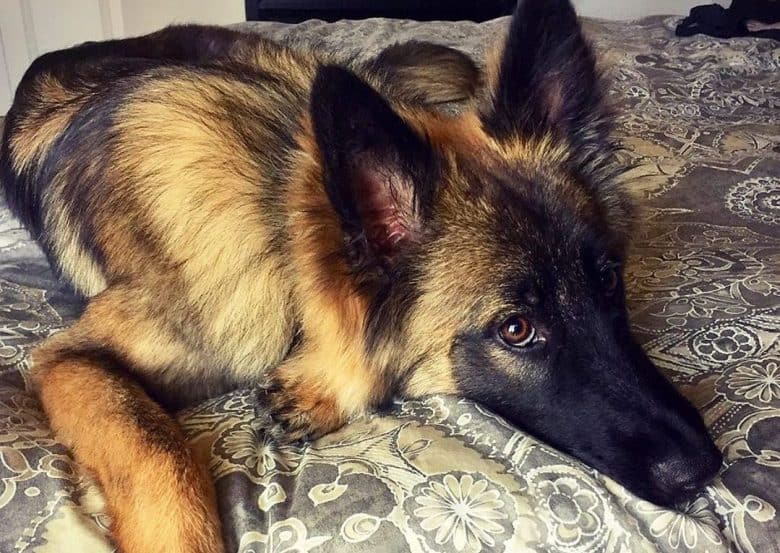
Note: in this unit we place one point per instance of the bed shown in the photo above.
(699, 118)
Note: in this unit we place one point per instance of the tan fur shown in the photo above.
(331, 311)
(46, 121)
(160, 498)
(212, 207)
(77, 264)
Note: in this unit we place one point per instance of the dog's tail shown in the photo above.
(423, 73)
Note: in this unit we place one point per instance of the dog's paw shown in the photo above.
(292, 421)
(285, 419)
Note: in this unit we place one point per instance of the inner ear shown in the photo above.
(379, 173)
(386, 207)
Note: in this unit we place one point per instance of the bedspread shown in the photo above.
(699, 120)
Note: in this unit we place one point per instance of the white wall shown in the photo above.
(29, 28)
(632, 9)
(144, 16)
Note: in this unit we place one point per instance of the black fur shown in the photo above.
(369, 151)
(549, 83)
(589, 389)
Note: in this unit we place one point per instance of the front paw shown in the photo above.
(292, 418)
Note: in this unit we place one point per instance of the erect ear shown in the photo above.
(547, 81)
(379, 173)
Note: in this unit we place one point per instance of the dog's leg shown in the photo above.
(318, 390)
(160, 496)
(302, 406)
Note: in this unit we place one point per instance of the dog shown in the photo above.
(237, 212)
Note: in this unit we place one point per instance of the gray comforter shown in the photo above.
(699, 118)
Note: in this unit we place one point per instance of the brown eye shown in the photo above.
(610, 279)
(517, 332)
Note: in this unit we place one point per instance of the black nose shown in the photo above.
(678, 478)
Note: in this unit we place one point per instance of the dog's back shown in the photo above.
(169, 175)
(165, 161)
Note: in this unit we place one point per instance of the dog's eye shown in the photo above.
(517, 332)
(610, 279)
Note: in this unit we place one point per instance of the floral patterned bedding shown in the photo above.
(699, 118)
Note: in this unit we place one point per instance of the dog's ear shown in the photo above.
(546, 79)
(379, 173)
(427, 74)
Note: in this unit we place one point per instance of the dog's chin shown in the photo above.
(657, 496)
(666, 493)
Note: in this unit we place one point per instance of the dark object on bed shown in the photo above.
(294, 11)
(717, 21)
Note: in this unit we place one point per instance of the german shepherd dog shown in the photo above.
(236, 212)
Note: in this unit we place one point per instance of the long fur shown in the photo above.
(237, 212)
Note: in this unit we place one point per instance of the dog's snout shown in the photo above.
(680, 477)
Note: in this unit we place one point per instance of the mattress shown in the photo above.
(698, 118)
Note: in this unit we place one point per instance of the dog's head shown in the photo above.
(493, 249)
